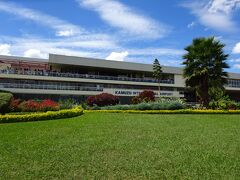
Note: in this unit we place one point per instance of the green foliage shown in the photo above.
(159, 105)
(136, 100)
(84, 105)
(205, 62)
(224, 103)
(67, 103)
(216, 93)
(5, 99)
(50, 115)
(157, 70)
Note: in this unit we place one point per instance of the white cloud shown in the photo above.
(236, 49)
(237, 66)
(65, 33)
(156, 52)
(192, 24)
(121, 16)
(215, 14)
(62, 27)
(78, 47)
(235, 60)
(5, 49)
(117, 56)
(35, 53)
(224, 6)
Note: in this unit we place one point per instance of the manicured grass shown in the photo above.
(127, 146)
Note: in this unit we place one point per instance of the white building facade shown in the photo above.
(77, 77)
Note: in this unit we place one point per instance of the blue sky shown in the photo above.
(123, 30)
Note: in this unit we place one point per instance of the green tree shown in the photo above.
(205, 62)
(157, 72)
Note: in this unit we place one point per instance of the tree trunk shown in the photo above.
(205, 95)
(159, 88)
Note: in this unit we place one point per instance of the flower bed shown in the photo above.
(40, 106)
(180, 111)
(40, 116)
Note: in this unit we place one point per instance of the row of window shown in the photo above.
(87, 76)
(234, 83)
(53, 84)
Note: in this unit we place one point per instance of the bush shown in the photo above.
(103, 99)
(238, 105)
(38, 106)
(49, 115)
(67, 103)
(136, 100)
(5, 99)
(164, 105)
(14, 105)
(225, 103)
(145, 96)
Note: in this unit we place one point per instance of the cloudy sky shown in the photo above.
(123, 30)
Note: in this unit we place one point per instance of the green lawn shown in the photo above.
(127, 146)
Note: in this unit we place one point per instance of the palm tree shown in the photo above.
(157, 72)
(205, 62)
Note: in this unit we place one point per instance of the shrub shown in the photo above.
(225, 103)
(14, 105)
(49, 105)
(49, 115)
(148, 106)
(103, 99)
(5, 99)
(36, 106)
(136, 100)
(67, 103)
(238, 105)
(145, 96)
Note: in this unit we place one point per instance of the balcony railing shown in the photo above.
(86, 76)
(48, 87)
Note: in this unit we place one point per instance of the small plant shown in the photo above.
(136, 100)
(14, 105)
(67, 103)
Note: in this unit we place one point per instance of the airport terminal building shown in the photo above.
(62, 77)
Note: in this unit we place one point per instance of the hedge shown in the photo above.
(180, 111)
(40, 116)
(5, 99)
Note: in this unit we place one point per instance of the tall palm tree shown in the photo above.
(205, 62)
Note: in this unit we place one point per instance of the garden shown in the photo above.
(149, 138)
(155, 138)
